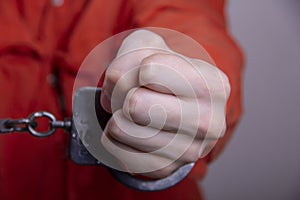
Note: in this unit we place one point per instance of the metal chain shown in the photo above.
(29, 124)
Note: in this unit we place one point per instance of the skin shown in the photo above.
(157, 95)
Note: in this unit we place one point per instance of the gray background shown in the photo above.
(262, 161)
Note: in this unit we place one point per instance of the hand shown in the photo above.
(168, 109)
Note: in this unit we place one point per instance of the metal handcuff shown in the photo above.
(82, 108)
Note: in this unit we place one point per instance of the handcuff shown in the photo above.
(83, 108)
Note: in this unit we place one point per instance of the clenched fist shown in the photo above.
(168, 109)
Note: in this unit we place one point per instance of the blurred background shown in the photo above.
(262, 161)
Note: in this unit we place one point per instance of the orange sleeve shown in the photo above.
(204, 21)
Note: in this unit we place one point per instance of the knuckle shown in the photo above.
(146, 37)
(135, 104)
(190, 157)
(205, 123)
(213, 135)
(114, 130)
(133, 100)
(212, 122)
(217, 133)
(218, 84)
(211, 129)
(113, 73)
(148, 69)
(205, 132)
(191, 154)
(201, 127)
(224, 83)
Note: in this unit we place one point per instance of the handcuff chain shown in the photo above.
(30, 124)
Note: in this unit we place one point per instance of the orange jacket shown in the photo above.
(39, 39)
